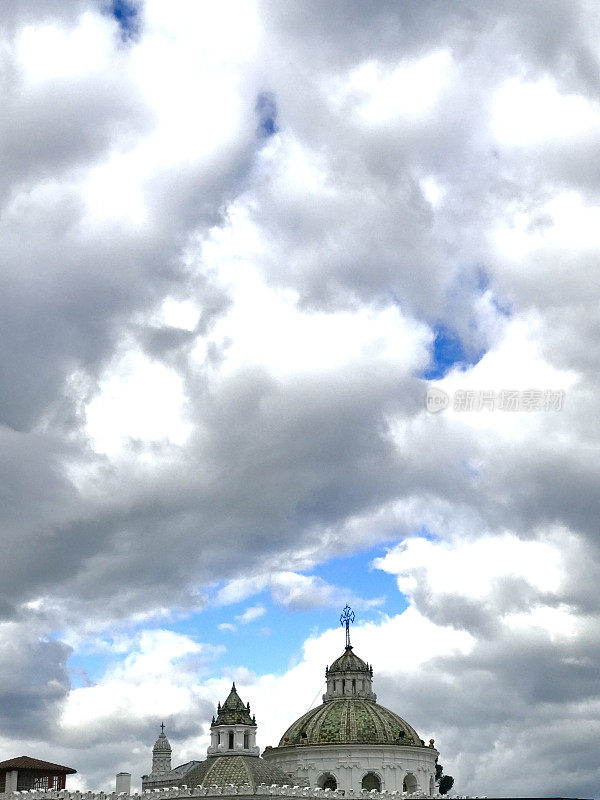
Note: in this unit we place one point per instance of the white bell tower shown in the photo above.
(161, 754)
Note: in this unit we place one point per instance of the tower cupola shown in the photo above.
(233, 731)
(161, 754)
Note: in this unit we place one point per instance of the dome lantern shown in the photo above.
(349, 675)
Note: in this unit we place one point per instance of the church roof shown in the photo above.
(233, 711)
(238, 770)
(350, 721)
(349, 662)
(162, 744)
(26, 762)
(183, 769)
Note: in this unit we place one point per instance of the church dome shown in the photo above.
(350, 721)
(237, 770)
(349, 662)
(162, 744)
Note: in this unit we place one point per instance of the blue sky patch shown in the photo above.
(266, 111)
(448, 352)
(126, 14)
(273, 641)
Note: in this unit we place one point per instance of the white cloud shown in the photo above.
(381, 94)
(49, 52)
(533, 113)
(131, 688)
(269, 327)
(292, 590)
(140, 399)
(470, 569)
(251, 614)
(227, 626)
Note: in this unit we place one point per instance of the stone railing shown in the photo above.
(172, 792)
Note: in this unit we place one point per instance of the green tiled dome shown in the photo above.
(350, 721)
(237, 770)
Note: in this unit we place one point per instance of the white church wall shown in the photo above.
(350, 763)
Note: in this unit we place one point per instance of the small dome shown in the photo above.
(349, 662)
(349, 721)
(236, 770)
(162, 744)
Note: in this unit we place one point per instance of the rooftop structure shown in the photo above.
(24, 773)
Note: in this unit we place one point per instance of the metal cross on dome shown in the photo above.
(347, 616)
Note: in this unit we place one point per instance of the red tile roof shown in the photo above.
(26, 762)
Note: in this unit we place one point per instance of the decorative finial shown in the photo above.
(162, 727)
(347, 616)
(233, 687)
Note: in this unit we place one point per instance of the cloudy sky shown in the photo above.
(240, 243)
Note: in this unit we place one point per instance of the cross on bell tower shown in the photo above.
(347, 616)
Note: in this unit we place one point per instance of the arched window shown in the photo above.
(371, 781)
(353, 686)
(231, 740)
(219, 738)
(334, 686)
(327, 781)
(246, 741)
(343, 686)
(431, 786)
(410, 783)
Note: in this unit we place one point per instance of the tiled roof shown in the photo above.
(349, 662)
(233, 711)
(26, 762)
(183, 769)
(236, 770)
(350, 721)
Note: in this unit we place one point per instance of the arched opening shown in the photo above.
(431, 786)
(343, 685)
(410, 783)
(327, 781)
(231, 740)
(219, 738)
(246, 741)
(353, 685)
(371, 781)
